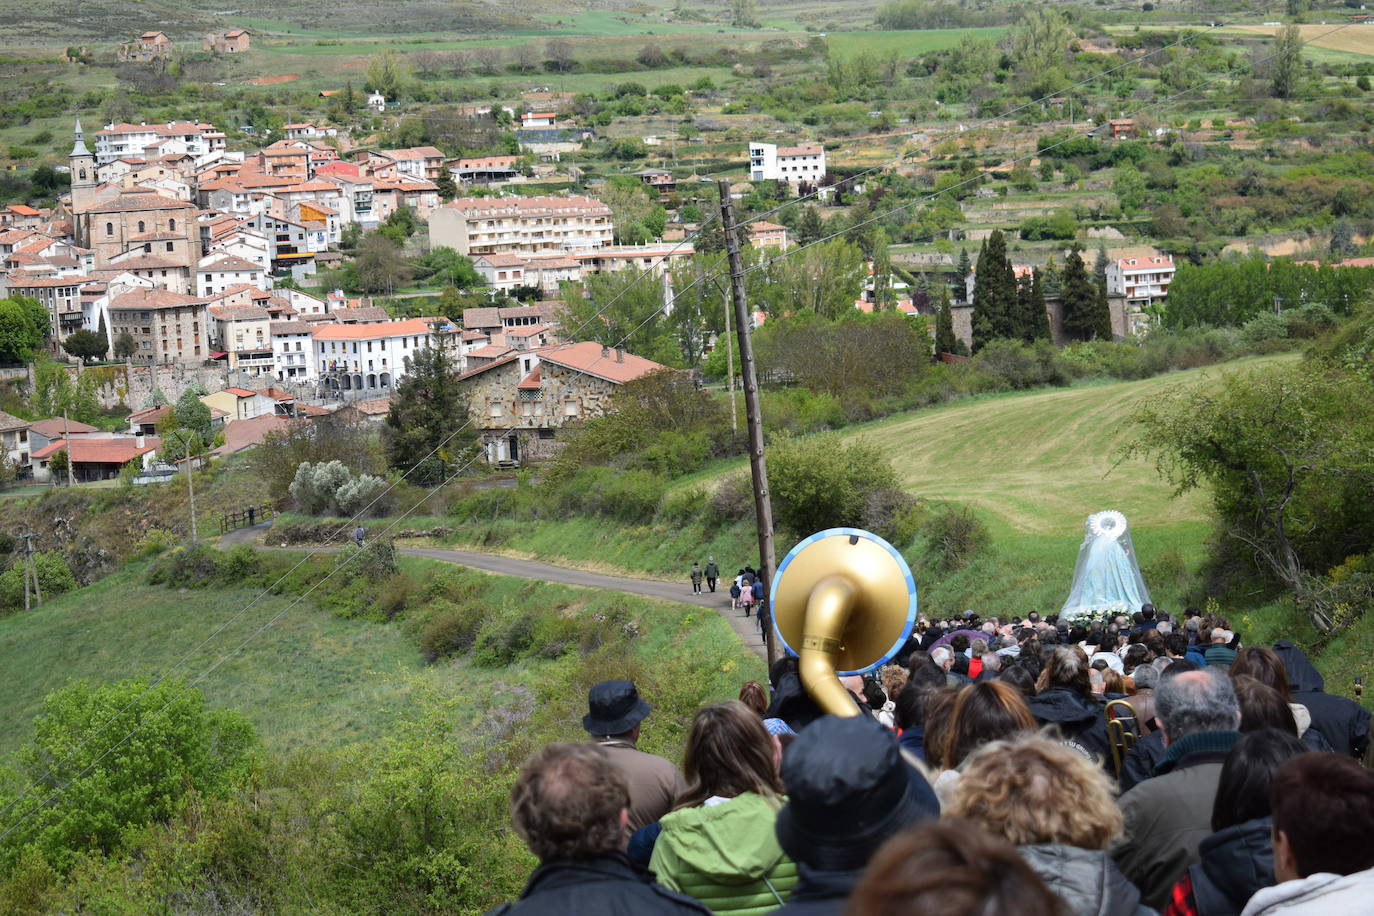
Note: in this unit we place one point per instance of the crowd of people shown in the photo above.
(975, 777)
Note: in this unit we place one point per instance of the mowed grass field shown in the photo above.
(1042, 462)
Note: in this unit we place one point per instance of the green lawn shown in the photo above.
(909, 43)
(311, 679)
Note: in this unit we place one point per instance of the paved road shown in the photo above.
(744, 627)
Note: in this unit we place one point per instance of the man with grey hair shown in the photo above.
(1146, 679)
(1168, 816)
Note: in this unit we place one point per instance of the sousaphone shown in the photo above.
(844, 602)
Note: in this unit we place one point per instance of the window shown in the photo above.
(169, 246)
(141, 226)
(171, 225)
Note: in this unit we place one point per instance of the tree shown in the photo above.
(192, 413)
(621, 309)
(994, 293)
(744, 14)
(380, 267)
(447, 187)
(85, 345)
(945, 341)
(1039, 42)
(1051, 280)
(965, 267)
(855, 359)
(92, 787)
(55, 394)
(824, 482)
(810, 226)
(1080, 299)
(427, 63)
(427, 433)
(1285, 61)
(824, 279)
(125, 346)
(1287, 452)
(24, 324)
(1032, 317)
(526, 57)
(386, 73)
(488, 60)
(560, 54)
(1100, 266)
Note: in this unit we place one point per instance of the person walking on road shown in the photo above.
(712, 573)
(746, 596)
(696, 578)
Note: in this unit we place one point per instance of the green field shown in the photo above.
(311, 679)
(910, 43)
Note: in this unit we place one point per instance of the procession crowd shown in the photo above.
(977, 777)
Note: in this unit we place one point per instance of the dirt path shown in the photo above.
(745, 627)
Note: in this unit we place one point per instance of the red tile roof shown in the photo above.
(114, 450)
(372, 330)
(587, 357)
(56, 426)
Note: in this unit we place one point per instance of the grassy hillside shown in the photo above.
(1038, 462)
(312, 679)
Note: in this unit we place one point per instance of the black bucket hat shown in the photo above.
(848, 790)
(614, 707)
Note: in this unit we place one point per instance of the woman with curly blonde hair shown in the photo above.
(1056, 807)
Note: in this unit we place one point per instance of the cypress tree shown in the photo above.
(1102, 315)
(994, 292)
(945, 341)
(1080, 298)
(1038, 318)
(964, 268)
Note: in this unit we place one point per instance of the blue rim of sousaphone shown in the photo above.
(901, 563)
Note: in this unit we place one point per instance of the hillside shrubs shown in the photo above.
(54, 578)
(823, 482)
(330, 488)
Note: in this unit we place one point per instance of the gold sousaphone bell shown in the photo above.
(844, 602)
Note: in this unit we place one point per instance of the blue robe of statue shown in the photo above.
(1107, 577)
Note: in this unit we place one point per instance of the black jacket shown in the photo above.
(609, 885)
(1140, 763)
(792, 704)
(1341, 721)
(1081, 722)
(819, 893)
(1235, 863)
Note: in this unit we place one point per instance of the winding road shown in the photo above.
(745, 627)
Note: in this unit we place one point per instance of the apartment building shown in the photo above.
(793, 164)
(355, 357)
(149, 141)
(167, 327)
(521, 225)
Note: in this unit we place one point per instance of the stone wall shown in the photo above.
(963, 320)
(133, 386)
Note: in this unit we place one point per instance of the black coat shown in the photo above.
(1235, 863)
(609, 885)
(1082, 722)
(1341, 721)
(819, 893)
(1140, 763)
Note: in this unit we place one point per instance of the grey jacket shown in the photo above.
(1087, 880)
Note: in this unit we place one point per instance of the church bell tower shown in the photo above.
(83, 173)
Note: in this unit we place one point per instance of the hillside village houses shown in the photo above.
(177, 242)
(804, 164)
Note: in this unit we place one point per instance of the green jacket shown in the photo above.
(726, 856)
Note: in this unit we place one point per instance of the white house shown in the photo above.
(292, 353)
(1142, 275)
(793, 164)
(377, 102)
(217, 273)
(368, 357)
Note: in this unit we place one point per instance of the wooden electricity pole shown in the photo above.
(763, 503)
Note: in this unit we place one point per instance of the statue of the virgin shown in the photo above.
(1106, 578)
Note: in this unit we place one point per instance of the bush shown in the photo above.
(196, 566)
(329, 488)
(1264, 327)
(54, 578)
(1012, 364)
(955, 536)
(452, 629)
(822, 482)
(732, 500)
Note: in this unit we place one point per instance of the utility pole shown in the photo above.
(190, 481)
(763, 504)
(66, 436)
(30, 572)
(730, 367)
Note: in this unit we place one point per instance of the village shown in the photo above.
(187, 259)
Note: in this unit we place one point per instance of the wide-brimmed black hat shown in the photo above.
(848, 790)
(614, 707)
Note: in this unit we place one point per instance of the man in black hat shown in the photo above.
(614, 713)
(848, 790)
